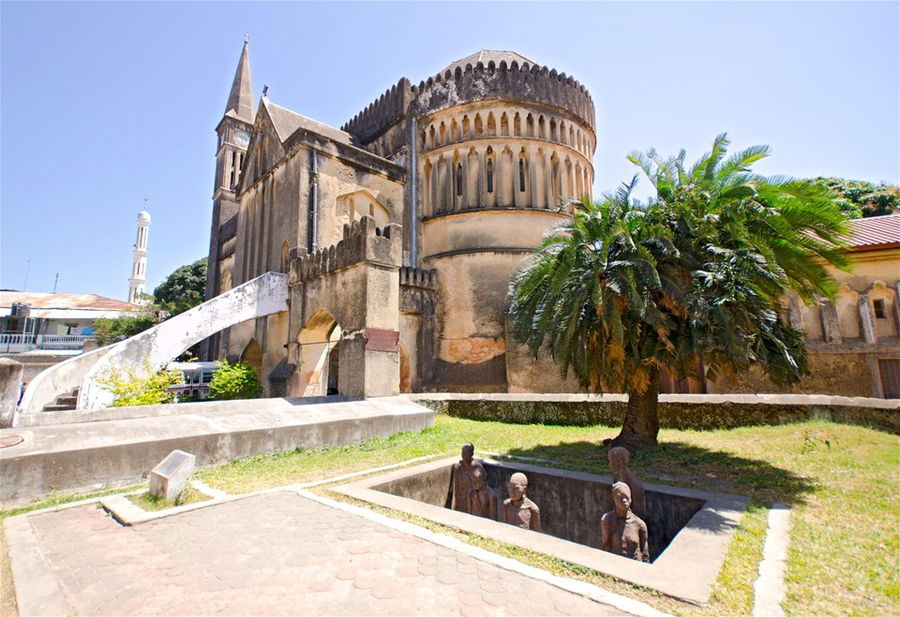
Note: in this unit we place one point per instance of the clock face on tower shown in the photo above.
(242, 139)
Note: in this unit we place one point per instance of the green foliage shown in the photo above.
(184, 289)
(234, 381)
(111, 330)
(144, 387)
(696, 273)
(858, 198)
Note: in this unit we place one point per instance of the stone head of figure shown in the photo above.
(468, 451)
(621, 495)
(517, 486)
(479, 478)
(618, 459)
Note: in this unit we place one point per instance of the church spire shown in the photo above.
(240, 100)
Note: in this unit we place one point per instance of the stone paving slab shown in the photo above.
(275, 554)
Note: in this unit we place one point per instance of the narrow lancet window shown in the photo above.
(490, 176)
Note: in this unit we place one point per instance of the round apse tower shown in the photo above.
(501, 144)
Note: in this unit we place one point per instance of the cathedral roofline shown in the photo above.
(485, 56)
(240, 99)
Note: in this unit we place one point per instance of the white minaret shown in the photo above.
(139, 259)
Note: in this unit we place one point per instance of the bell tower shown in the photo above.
(233, 133)
(233, 138)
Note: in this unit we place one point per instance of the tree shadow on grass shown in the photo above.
(681, 464)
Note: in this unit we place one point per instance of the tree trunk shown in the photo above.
(641, 424)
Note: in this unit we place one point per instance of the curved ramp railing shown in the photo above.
(154, 348)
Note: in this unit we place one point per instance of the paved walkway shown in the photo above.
(277, 554)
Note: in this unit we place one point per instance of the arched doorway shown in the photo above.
(404, 370)
(319, 344)
(252, 355)
(333, 368)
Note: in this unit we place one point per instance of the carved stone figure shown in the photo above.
(518, 509)
(622, 532)
(462, 477)
(482, 499)
(618, 463)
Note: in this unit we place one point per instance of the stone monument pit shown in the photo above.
(688, 530)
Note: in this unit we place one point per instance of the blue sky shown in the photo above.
(104, 104)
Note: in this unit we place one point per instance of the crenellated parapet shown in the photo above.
(418, 277)
(362, 242)
(381, 113)
(526, 82)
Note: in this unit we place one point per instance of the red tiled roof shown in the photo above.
(39, 300)
(875, 231)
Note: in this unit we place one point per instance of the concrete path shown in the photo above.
(122, 449)
(276, 553)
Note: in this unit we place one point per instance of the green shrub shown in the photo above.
(234, 381)
(130, 388)
(107, 330)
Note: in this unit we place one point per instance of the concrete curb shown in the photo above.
(768, 590)
(37, 590)
(597, 594)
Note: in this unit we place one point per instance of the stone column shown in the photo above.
(10, 387)
(831, 326)
(795, 313)
(866, 319)
(548, 171)
(473, 179)
(897, 306)
(533, 168)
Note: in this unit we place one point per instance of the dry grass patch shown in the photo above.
(148, 503)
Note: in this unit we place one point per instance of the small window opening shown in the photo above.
(490, 176)
(522, 175)
(459, 179)
(878, 305)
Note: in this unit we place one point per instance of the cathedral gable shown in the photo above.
(264, 151)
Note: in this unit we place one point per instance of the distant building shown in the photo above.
(138, 279)
(31, 320)
(854, 343)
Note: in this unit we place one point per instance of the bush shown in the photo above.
(131, 389)
(108, 330)
(234, 381)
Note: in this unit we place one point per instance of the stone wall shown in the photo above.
(679, 411)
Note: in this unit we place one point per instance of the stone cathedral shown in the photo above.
(401, 230)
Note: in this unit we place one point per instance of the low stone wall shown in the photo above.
(679, 411)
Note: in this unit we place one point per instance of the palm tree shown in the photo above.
(696, 274)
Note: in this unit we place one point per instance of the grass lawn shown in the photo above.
(841, 482)
(152, 504)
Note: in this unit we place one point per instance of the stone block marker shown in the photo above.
(10, 385)
(169, 478)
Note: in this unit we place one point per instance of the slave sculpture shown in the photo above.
(621, 531)
(518, 509)
(462, 478)
(618, 463)
(482, 498)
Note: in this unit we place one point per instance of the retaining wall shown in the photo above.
(679, 411)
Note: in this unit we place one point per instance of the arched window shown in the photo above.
(521, 175)
(490, 176)
(459, 180)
